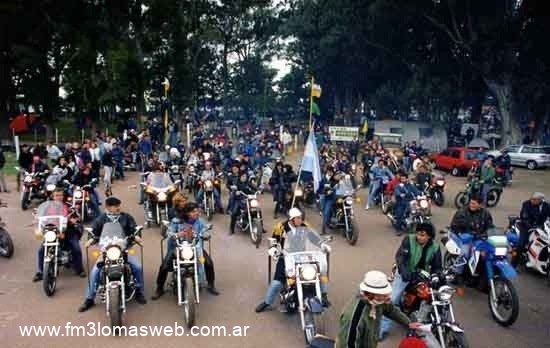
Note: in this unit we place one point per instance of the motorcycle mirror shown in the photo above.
(138, 230)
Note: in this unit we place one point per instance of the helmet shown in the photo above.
(167, 147)
(293, 213)
(174, 152)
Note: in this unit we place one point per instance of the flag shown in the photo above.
(365, 129)
(310, 161)
(315, 109)
(316, 90)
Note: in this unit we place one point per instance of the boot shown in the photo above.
(140, 298)
(262, 307)
(89, 303)
(324, 299)
(37, 277)
(158, 293)
(212, 289)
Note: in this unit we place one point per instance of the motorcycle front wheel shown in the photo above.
(49, 280)
(438, 198)
(455, 339)
(310, 328)
(505, 307)
(352, 233)
(461, 200)
(189, 305)
(6, 244)
(493, 197)
(25, 201)
(115, 310)
(256, 231)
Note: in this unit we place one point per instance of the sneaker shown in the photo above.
(261, 307)
(37, 277)
(367, 207)
(86, 305)
(81, 274)
(140, 298)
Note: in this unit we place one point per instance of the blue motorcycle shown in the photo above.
(483, 262)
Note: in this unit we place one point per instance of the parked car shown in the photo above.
(530, 156)
(457, 160)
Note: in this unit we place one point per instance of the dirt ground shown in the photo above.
(241, 272)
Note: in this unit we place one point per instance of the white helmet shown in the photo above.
(167, 147)
(293, 213)
(174, 152)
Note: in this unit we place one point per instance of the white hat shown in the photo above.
(375, 282)
(294, 212)
(538, 195)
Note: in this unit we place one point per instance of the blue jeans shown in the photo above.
(327, 209)
(484, 190)
(398, 287)
(399, 211)
(374, 189)
(73, 244)
(217, 198)
(95, 278)
(94, 202)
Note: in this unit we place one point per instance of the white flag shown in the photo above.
(310, 161)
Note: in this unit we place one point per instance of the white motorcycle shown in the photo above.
(538, 247)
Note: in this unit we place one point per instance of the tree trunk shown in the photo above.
(510, 132)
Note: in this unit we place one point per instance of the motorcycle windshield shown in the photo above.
(51, 214)
(303, 246)
(160, 180)
(112, 234)
(344, 188)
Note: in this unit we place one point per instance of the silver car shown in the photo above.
(530, 156)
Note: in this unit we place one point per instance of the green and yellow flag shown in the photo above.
(316, 90)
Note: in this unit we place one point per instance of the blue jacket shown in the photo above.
(118, 154)
(406, 193)
(378, 173)
(145, 147)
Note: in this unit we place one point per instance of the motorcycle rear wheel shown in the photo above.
(49, 280)
(115, 310)
(6, 244)
(504, 285)
(439, 198)
(189, 306)
(455, 339)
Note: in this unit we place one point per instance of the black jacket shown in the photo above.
(25, 160)
(534, 216)
(2, 159)
(476, 222)
(126, 221)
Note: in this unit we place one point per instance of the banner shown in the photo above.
(343, 133)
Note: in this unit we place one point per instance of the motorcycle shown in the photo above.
(366, 170)
(185, 275)
(177, 175)
(265, 176)
(538, 247)
(116, 286)
(302, 290)
(250, 218)
(487, 266)
(6, 243)
(474, 187)
(80, 200)
(159, 191)
(342, 215)
(435, 191)
(427, 300)
(191, 180)
(208, 200)
(33, 187)
(419, 212)
(51, 227)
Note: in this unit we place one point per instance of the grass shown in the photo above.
(11, 162)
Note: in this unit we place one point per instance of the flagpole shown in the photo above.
(311, 101)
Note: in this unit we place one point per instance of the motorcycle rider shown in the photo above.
(472, 219)
(423, 178)
(232, 180)
(279, 233)
(245, 187)
(209, 174)
(417, 253)
(281, 183)
(534, 212)
(113, 214)
(186, 223)
(328, 196)
(361, 318)
(486, 178)
(70, 237)
(404, 193)
(83, 178)
(378, 173)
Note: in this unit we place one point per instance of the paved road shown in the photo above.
(241, 273)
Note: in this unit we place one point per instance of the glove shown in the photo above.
(326, 248)
(273, 252)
